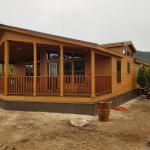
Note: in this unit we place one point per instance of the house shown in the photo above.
(44, 72)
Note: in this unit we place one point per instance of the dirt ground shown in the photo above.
(128, 130)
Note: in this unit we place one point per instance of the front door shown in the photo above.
(52, 69)
(52, 77)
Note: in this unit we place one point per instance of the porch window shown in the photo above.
(52, 55)
(67, 68)
(74, 63)
(118, 71)
(79, 67)
(29, 69)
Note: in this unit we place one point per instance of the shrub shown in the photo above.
(141, 77)
(147, 78)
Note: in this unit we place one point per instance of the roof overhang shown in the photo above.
(60, 39)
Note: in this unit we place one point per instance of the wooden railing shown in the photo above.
(47, 86)
(1, 84)
(102, 84)
(77, 85)
(20, 85)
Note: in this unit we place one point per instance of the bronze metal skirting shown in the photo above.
(60, 107)
(123, 98)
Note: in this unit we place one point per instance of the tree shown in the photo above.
(141, 77)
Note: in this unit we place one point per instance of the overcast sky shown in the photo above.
(99, 21)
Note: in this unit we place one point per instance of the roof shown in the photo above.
(141, 62)
(58, 38)
(118, 44)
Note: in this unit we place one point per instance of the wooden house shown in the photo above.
(44, 72)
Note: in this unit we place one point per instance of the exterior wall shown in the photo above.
(43, 65)
(128, 81)
(19, 69)
(87, 63)
(102, 65)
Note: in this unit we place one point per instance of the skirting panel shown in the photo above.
(120, 99)
(123, 98)
(58, 107)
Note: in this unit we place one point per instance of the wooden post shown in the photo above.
(35, 68)
(92, 73)
(61, 71)
(6, 66)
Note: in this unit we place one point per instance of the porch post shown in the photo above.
(92, 73)
(35, 68)
(61, 70)
(6, 66)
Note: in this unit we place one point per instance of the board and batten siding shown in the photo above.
(128, 81)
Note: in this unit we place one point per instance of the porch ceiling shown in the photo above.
(19, 51)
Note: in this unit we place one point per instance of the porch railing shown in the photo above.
(47, 86)
(1, 84)
(77, 85)
(20, 85)
(102, 84)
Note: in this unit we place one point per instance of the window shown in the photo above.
(118, 71)
(128, 68)
(29, 69)
(79, 67)
(68, 55)
(67, 68)
(52, 55)
(132, 54)
(74, 63)
(128, 53)
(123, 51)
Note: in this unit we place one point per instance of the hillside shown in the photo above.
(143, 56)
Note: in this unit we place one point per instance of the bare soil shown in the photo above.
(128, 130)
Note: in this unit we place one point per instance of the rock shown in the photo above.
(79, 122)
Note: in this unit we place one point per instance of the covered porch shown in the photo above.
(34, 69)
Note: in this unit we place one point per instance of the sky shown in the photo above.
(98, 21)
